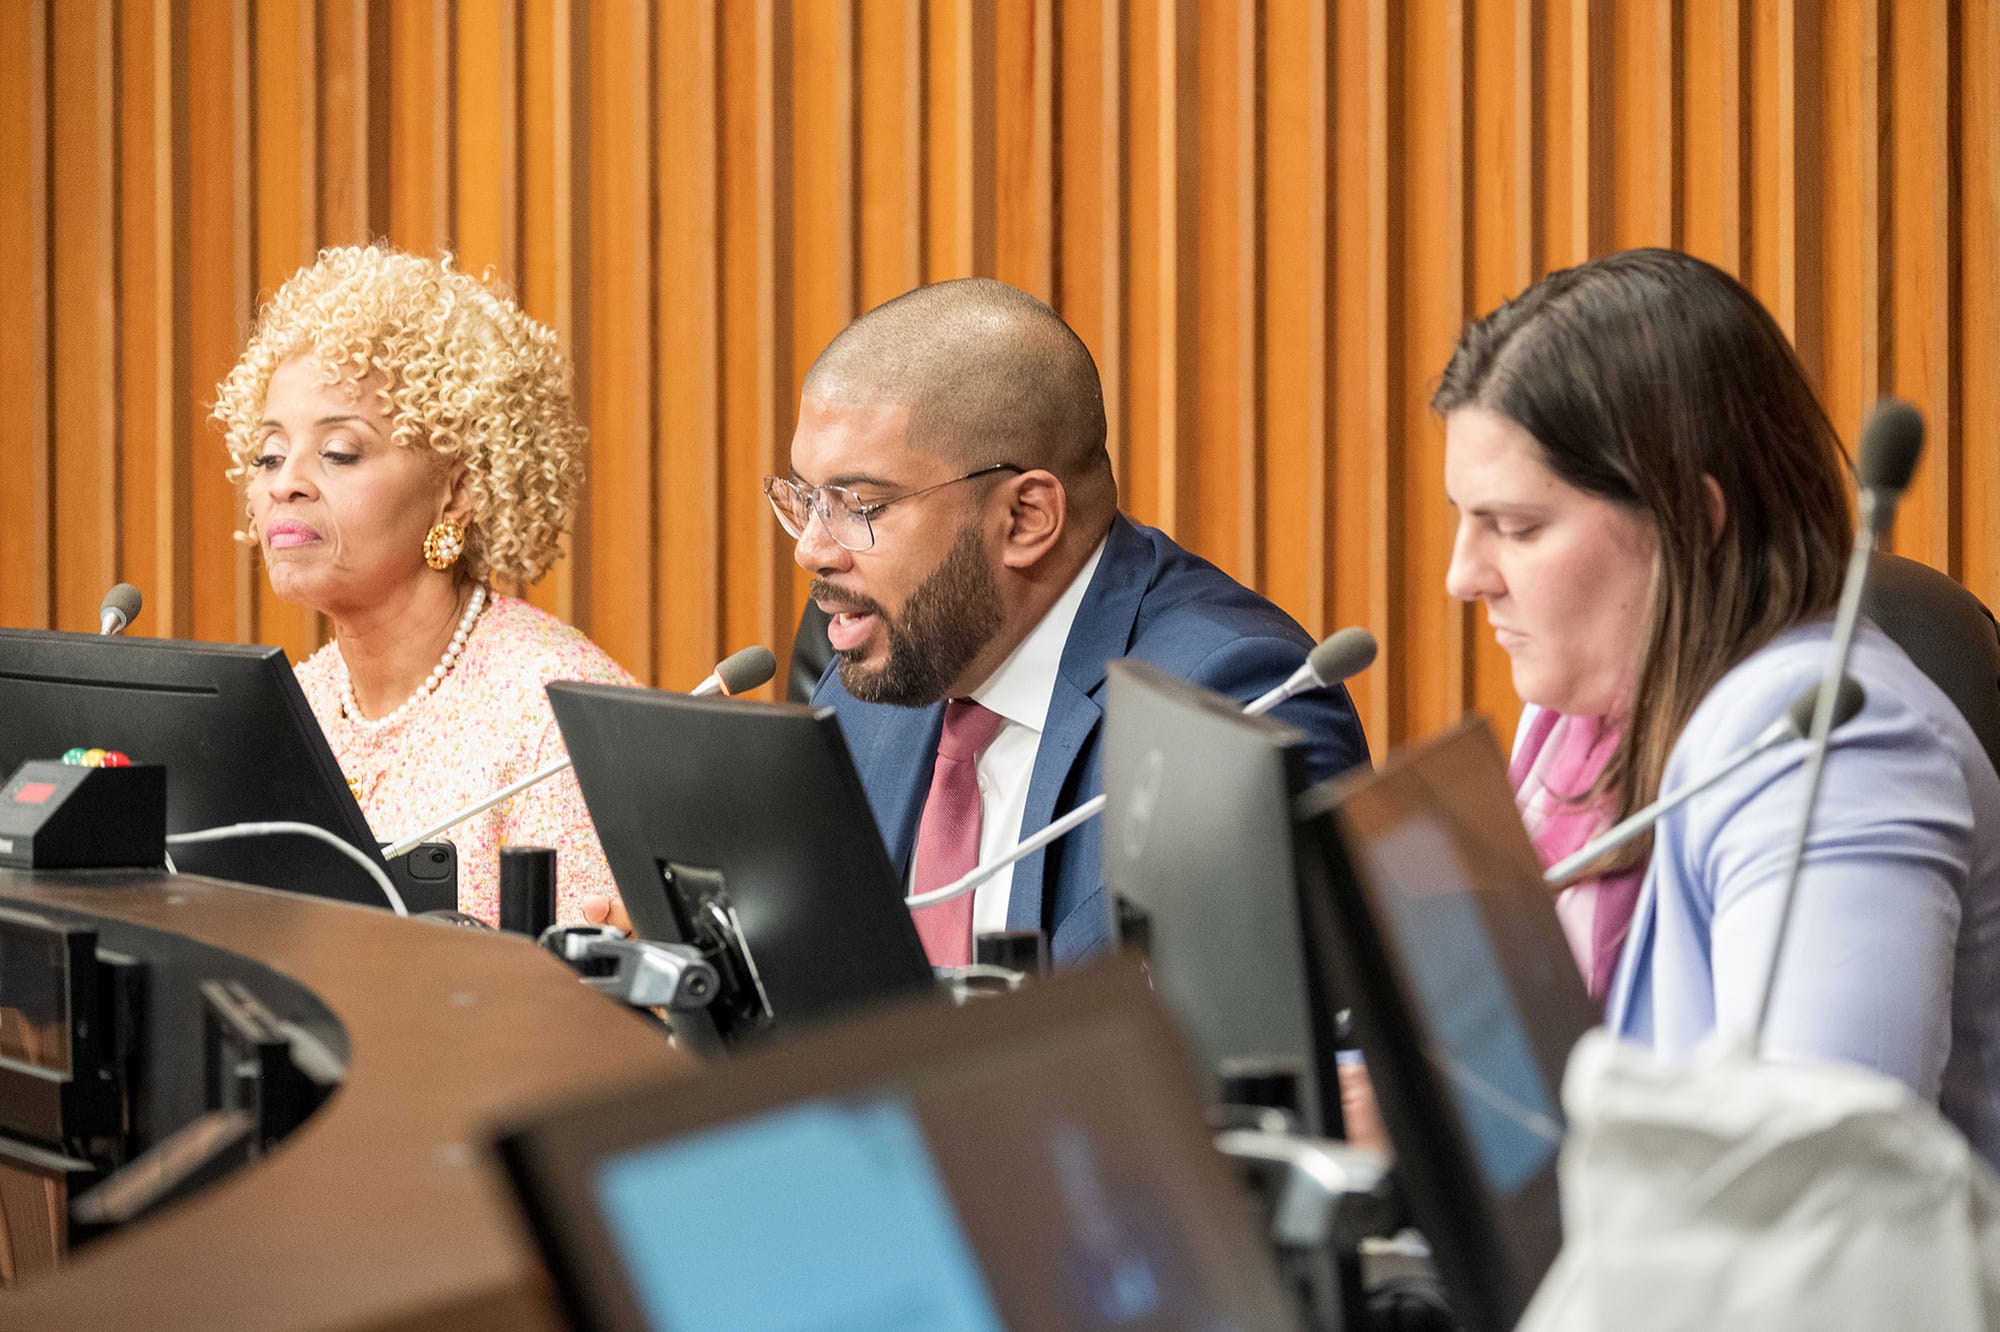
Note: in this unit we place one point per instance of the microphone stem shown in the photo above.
(1822, 724)
(457, 817)
(1626, 829)
(1083, 813)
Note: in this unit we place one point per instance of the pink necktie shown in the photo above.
(948, 837)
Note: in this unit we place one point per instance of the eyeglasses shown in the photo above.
(846, 519)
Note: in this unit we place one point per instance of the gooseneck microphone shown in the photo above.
(1796, 724)
(1891, 441)
(737, 673)
(1340, 656)
(118, 609)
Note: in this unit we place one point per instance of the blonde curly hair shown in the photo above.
(468, 375)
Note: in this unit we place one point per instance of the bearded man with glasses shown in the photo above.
(952, 496)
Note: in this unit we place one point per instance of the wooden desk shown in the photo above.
(383, 1210)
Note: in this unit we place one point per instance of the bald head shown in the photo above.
(988, 374)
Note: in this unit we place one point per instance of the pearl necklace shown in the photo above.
(352, 711)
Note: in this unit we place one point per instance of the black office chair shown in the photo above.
(810, 654)
(1947, 631)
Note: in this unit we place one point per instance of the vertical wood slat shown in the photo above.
(83, 307)
(1921, 292)
(1713, 132)
(1225, 448)
(285, 176)
(26, 441)
(890, 171)
(690, 621)
(1850, 288)
(1976, 336)
(553, 114)
(1298, 376)
(218, 242)
(616, 593)
(1024, 145)
(153, 441)
(353, 143)
(486, 165)
(420, 118)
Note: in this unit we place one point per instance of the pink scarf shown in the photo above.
(1557, 758)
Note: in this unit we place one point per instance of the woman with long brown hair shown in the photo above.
(1652, 510)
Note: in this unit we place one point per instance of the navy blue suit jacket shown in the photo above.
(1151, 600)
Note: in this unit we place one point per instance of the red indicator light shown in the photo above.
(34, 793)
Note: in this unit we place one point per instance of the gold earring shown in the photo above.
(443, 544)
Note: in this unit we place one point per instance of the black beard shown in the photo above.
(948, 620)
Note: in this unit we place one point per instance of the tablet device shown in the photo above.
(1028, 1161)
(1426, 899)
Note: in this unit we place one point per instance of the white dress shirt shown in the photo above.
(1020, 692)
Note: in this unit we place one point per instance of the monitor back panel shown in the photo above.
(1199, 835)
(1428, 900)
(764, 796)
(229, 722)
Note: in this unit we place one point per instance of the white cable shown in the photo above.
(284, 826)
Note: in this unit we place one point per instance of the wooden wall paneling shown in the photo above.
(1644, 64)
(1503, 253)
(691, 476)
(1024, 145)
(153, 441)
(1090, 199)
(220, 292)
(758, 413)
(1298, 544)
(1433, 668)
(285, 174)
(615, 576)
(1785, 217)
(1853, 213)
(1560, 156)
(1156, 482)
(420, 78)
(1592, 127)
(353, 132)
(958, 139)
(1921, 292)
(1976, 336)
(889, 250)
(486, 147)
(553, 114)
(1713, 132)
(823, 253)
(84, 311)
(26, 441)
(824, 201)
(1227, 451)
(1378, 84)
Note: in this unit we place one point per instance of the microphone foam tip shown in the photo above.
(1891, 442)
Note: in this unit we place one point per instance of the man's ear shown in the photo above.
(1037, 510)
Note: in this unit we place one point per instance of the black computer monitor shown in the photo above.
(1426, 899)
(743, 829)
(1199, 853)
(230, 724)
(1031, 1160)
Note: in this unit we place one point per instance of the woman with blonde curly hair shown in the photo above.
(403, 434)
